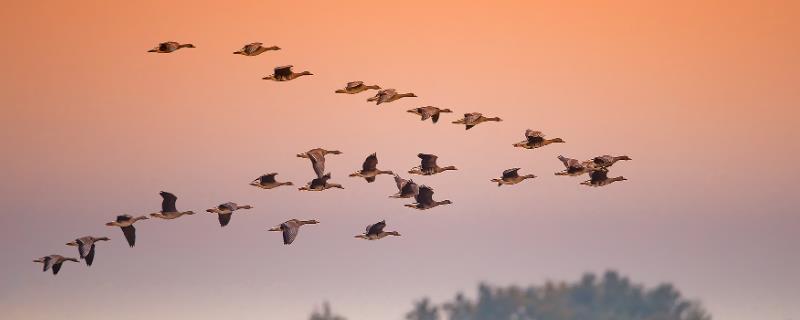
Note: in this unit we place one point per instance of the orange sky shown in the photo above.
(702, 95)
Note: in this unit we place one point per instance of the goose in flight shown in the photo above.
(317, 157)
(125, 222)
(606, 161)
(599, 178)
(535, 139)
(425, 199)
(511, 177)
(369, 169)
(267, 181)
(429, 112)
(406, 188)
(320, 184)
(354, 87)
(168, 210)
(254, 49)
(375, 232)
(170, 46)
(86, 247)
(473, 119)
(285, 73)
(225, 211)
(290, 229)
(428, 166)
(53, 261)
(574, 167)
(388, 95)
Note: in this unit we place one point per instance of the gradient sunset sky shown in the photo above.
(703, 95)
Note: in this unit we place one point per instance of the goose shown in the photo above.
(473, 119)
(429, 166)
(512, 177)
(285, 73)
(429, 112)
(168, 210)
(574, 167)
(254, 49)
(354, 87)
(53, 261)
(388, 95)
(320, 184)
(225, 211)
(425, 199)
(267, 181)
(406, 188)
(369, 169)
(290, 229)
(125, 222)
(86, 247)
(317, 157)
(169, 46)
(606, 161)
(375, 232)
(599, 178)
(535, 139)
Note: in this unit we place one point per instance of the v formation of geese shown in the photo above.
(597, 169)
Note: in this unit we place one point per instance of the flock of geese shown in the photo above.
(596, 168)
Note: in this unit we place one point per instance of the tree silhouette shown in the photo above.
(326, 313)
(423, 310)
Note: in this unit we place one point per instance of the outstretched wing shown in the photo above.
(371, 163)
(410, 188)
(425, 195)
(317, 162)
(428, 161)
(354, 84)
(168, 202)
(510, 173)
(376, 228)
(598, 175)
(283, 72)
(224, 219)
(130, 235)
(90, 256)
(124, 218)
(471, 118)
(84, 247)
(56, 267)
(267, 178)
(289, 232)
(435, 116)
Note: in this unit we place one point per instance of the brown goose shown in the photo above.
(86, 247)
(317, 157)
(354, 87)
(606, 161)
(406, 188)
(574, 167)
(375, 232)
(285, 73)
(425, 199)
(369, 170)
(225, 211)
(429, 166)
(473, 119)
(512, 177)
(320, 184)
(599, 178)
(267, 181)
(290, 229)
(125, 222)
(254, 49)
(388, 95)
(429, 112)
(169, 46)
(53, 261)
(168, 210)
(535, 139)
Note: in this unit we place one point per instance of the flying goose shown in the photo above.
(86, 247)
(375, 232)
(125, 222)
(290, 229)
(168, 210)
(388, 95)
(574, 167)
(225, 211)
(285, 73)
(473, 119)
(429, 112)
(267, 181)
(354, 87)
(406, 188)
(317, 157)
(369, 169)
(511, 177)
(169, 46)
(606, 161)
(254, 49)
(425, 199)
(320, 184)
(53, 261)
(429, 166)
(535, 139)
(599, 178)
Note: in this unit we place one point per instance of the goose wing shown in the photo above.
(84, 246)
(510, 173)
(130, 234)
(252, 47)
(534, 136)
(598, 175)
(425, 195)
(428, 161)
(168, 46)
(317, 162)
(283, 72)
(410, 188)
(603, 160)
(290, 230)
(371, 163)
(90, 256)
(229, 206)
(376, 228)
(56, 266)
(385, 95)
(399, 181)
(47, 263)
(168, 202)
(267, 178)
(224, 219)
(354, 84)
(124, 218)
(471, 118)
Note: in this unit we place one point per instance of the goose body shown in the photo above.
(425, 200)
(535, 139)
(512, 177)
(375, 232)
(168, 209)
(267, 181)
(575, 167)
(428, 165)
(354, 87)
(54, 262)
(317, 157)
(406, 188)
(606, 161)
(170, 46)
(429, 112)
(86, 247)
(254, 49)
(225, 210)
(291, 228)
(599, 178)
(389, 95)
(125, 222)
(285, 73)
(473, 119)
(369, 169)
(320, 184)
